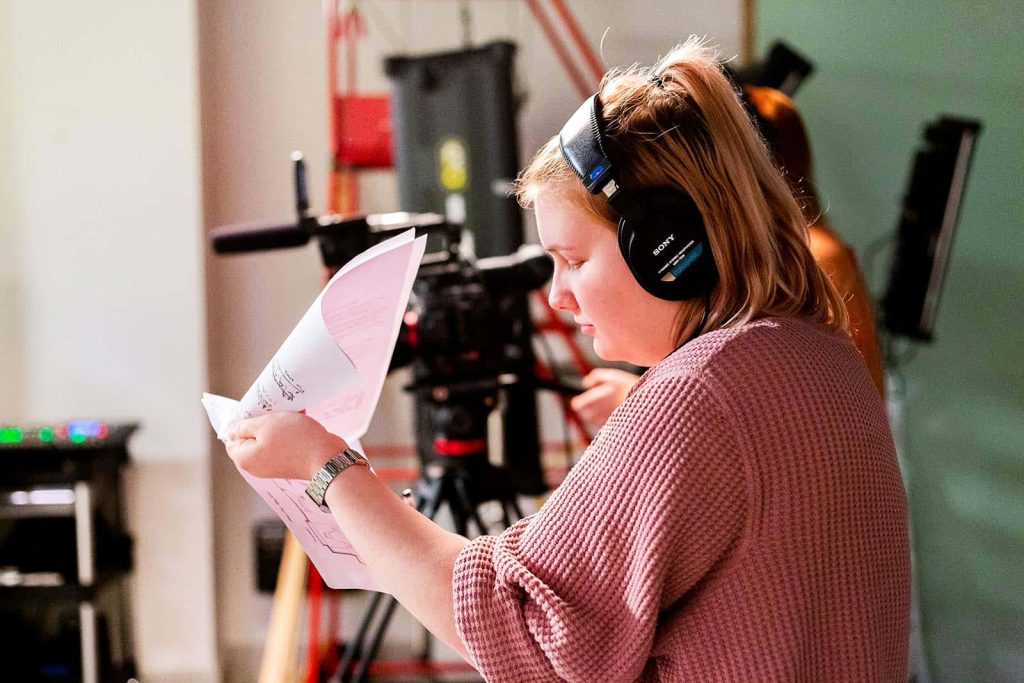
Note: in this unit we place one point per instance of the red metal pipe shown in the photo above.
(331, 14)
(314, 591)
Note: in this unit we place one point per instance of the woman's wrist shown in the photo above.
(319, 457)
(342, 487)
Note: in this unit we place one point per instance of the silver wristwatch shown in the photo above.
(317, 487)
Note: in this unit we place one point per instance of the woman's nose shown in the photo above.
(559, 297)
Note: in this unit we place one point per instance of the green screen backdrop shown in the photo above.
(882, 70)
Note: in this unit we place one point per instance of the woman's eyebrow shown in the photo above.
(551, 248)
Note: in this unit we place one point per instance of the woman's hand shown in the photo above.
(282, 445)
(606, 389)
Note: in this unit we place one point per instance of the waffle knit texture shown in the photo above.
(741, 517)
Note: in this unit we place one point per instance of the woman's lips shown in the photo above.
(587, 329)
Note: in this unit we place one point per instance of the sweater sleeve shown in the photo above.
(574, 592)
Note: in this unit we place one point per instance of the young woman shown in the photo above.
(741, 516)
(779, 122)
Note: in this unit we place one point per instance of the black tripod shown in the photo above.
(464, 482)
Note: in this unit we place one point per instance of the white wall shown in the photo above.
(264, 94)
(102, 285)
(11, 398)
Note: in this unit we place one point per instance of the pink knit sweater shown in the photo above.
(741, 517)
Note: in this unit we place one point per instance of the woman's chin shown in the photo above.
(612, 354)
(603, 351)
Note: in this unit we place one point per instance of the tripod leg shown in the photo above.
(428, 503)
(467, 509)
(430, 499)
(512, 503)
(460, 521)
(355, 647)
(506, 518)
(427, 647)
(378, 636)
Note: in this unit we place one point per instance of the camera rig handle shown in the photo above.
(340, 237)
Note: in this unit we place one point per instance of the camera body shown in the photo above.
(468, 341)
(459, 327)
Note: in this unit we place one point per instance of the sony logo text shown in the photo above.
(661, 247)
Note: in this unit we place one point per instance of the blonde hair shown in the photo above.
(680, 124)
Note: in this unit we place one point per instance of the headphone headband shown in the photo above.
(582, 143)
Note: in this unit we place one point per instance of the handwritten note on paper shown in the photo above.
(333, 366)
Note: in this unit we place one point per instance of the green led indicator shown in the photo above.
(77, 437)
(10, 435)
(46, 434)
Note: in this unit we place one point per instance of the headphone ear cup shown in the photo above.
(624, 232)
(665, 245)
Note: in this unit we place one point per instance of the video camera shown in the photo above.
(467, 335)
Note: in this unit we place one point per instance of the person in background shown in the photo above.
(741, 516)
(780, 124)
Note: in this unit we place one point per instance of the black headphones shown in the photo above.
(661, 231)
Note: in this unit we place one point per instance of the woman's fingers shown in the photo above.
(240, 450)
(593, 405)
(581, 401)
(247, 429)
(283, 444)
(601, 376)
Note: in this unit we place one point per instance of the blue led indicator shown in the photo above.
(688, 260)
(79, 430)
(597, 171)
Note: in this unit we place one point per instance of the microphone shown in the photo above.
(244, 237)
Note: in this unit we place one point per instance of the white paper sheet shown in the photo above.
(333, 366)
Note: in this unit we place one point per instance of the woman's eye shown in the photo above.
(573, 265)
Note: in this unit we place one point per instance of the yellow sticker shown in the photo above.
(452, 157)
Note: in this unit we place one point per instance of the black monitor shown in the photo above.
(931, 211)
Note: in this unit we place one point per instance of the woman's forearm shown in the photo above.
(411, 557)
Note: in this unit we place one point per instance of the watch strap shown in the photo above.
(317, 487)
